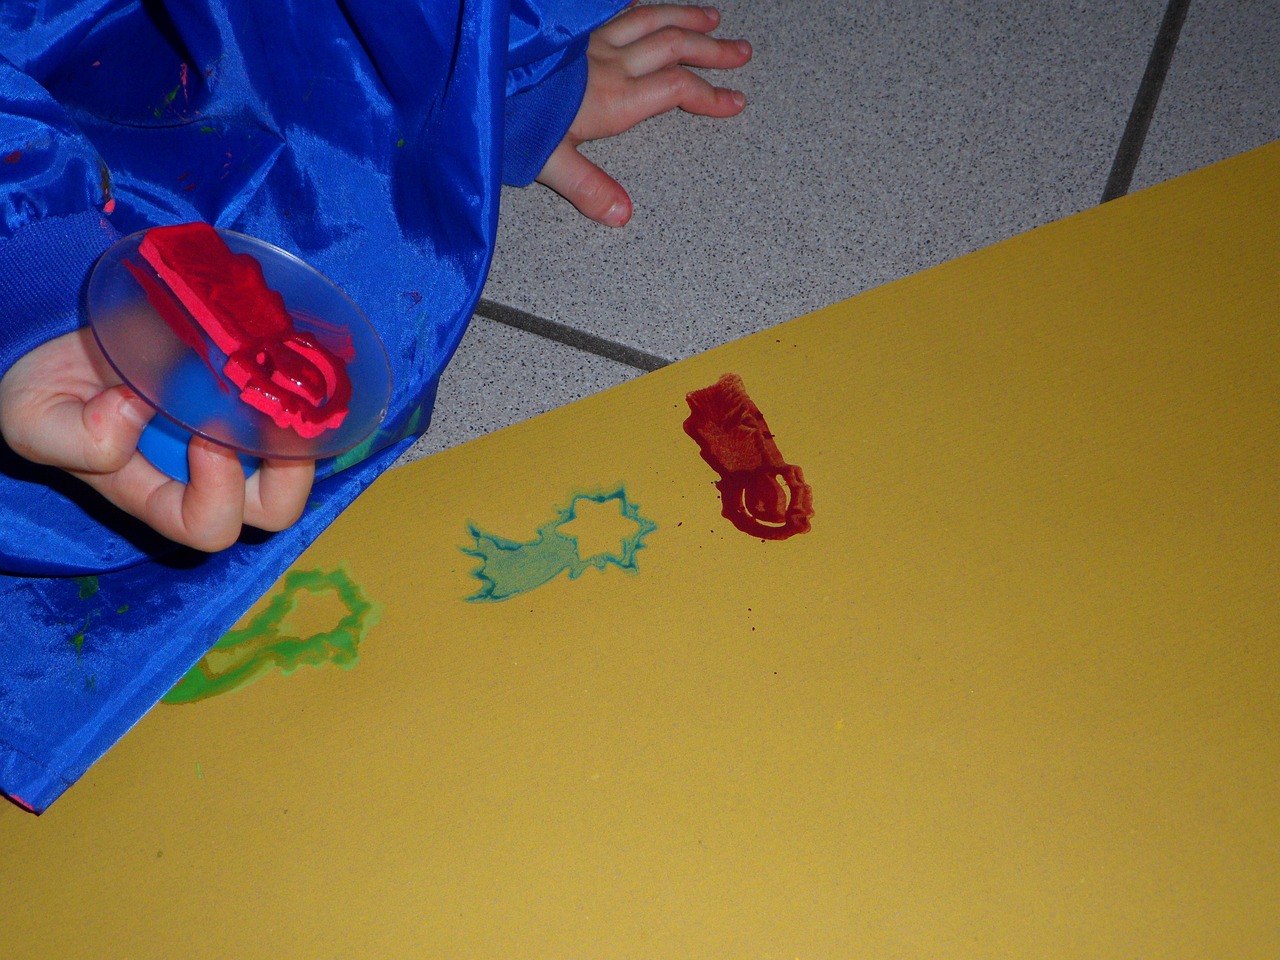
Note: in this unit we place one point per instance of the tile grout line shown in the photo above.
(1144, 104)
(1122, 168)
(569, 336)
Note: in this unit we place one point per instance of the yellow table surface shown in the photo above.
(1014, 695)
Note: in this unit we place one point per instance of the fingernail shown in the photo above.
(744, 48)
(739, 98)
(618, 214)
(136, 410)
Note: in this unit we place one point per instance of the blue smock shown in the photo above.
(368, 137)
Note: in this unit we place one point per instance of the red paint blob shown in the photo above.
(761, 493)
(281, 371)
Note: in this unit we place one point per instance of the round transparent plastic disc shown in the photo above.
(193, 390)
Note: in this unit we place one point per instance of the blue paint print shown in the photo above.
(511, 567)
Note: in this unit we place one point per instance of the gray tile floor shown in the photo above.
(880, 138)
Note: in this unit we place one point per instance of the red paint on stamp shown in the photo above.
(169, 310)
(762, 494)
(284, 372)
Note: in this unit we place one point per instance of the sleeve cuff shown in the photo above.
(44, 270)
(538, 118)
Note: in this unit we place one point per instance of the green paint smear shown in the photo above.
(251, 652)
(510, 568)
(377, 438)
(77, 640)
(88, 586)
(355, 454)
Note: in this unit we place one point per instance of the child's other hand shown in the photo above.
(638, 67)
(62, 405)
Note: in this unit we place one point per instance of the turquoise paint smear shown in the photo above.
(511, 567)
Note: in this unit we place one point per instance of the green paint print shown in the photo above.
(244, 655)
(510, 568)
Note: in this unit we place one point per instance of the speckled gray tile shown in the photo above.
(500, 376)
(879, 139)
(1222, 93)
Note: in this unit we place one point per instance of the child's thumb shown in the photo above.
(596, 194)
(113, 421)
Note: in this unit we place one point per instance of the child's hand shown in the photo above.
(638, 67)
(62, 405)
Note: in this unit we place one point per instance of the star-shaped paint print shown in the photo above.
(604, 532)
(593, 530)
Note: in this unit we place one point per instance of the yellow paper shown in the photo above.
(1014, 694)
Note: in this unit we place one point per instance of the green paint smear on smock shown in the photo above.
(77, 640)
(250, 652)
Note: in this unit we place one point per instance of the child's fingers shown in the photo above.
(276, 494)
(638, 21)
(206, 513)
(209, 512)
(671, 46)
(63, 431)
(678, 87)
(596, 194)
(112, 422)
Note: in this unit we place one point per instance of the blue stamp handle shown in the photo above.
(164, 443)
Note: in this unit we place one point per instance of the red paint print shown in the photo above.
(282, 371)
(762, 494)
(13, 157)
